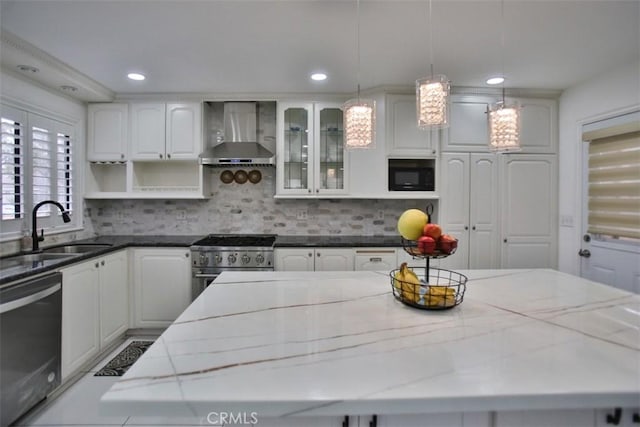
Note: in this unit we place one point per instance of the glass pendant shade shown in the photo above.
(504, 127)
(359, 123)
(432, 102)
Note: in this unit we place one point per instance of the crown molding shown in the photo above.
(52, 73)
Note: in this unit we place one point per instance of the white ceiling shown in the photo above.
(271, 46)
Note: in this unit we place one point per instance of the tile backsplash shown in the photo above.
(248, 208)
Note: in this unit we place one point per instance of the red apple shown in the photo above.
(432, 230)
(447, 243)
(426, 245)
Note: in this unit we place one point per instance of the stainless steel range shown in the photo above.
(217, 253)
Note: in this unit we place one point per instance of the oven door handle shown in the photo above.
(205, 276)
(21, 302)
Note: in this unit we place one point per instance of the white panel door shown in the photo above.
(148, 131)
(80, 308)
(162, 285)
(454, 206)
(331, 259)
(107, 130)
(403, 135)
(483, 208)
(468, 130)
(528, 189)
(184, 131)
(294, 259)
(114, 296)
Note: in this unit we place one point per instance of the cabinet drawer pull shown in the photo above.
(375, 259)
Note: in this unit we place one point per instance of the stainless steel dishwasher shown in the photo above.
(30, 343)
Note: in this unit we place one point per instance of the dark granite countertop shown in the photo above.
(123, 241)
(337, 241)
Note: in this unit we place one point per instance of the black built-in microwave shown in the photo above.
(411, 175)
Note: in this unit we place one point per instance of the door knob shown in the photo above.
(584, 253)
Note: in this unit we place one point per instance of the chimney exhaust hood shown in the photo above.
(240, 146)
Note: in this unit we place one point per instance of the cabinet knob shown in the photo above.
(466, 227)
(310, 254)
(102, 263)
(309, 190)
(505, 240)
(97, 265)
(317, 190)
(186, 255)
(473, 228)
(160, 155)
(121, 156)
(318, 254)
(168, 156)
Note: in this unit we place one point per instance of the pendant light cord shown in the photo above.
(430, 40)
(502, 44)
(358, 44)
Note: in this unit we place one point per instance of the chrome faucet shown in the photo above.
(34, 232)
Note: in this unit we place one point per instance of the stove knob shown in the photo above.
(232, 259)
(245, 259)
(218, 258)
(259, 258)
(204, 260)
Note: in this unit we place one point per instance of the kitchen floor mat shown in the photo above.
(123, 360)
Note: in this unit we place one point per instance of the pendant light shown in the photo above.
(504, 120)
(432, 94)
(359, 114)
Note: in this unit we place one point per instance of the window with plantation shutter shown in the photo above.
(13, 166)
(614, 181)
(37, 165)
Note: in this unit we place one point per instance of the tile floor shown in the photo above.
(79, 405)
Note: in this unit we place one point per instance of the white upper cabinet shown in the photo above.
(539, 133)
(404, 138)
(468, 126)
(107, 126)
(469, 132)
(166, 131)
(311, 159)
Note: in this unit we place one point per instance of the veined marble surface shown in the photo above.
(328, 343)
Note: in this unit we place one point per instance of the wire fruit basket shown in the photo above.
(434, 289)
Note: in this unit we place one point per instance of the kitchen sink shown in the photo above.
(71, 249)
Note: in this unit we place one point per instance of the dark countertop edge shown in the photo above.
(119, 242)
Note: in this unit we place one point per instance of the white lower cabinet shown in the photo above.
(623, 417)
(546, 418)
(313, 259)
(161, 285)
(94, 308)
(375, 259)
(453, 419)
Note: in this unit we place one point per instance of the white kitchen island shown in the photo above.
(292, 344)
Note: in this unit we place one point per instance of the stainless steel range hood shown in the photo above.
(240, 146)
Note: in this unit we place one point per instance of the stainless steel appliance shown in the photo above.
(228, 252)
(30, 338)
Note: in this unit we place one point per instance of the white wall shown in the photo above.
(604, 96)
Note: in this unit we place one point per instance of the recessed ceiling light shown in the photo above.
(136, 76)
(495, 80)
(318, 77)
(27, 68)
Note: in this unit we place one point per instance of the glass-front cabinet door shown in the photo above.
(310, 152)
(295, 149)
(329, 150)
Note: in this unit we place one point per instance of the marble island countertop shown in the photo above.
(328, 343)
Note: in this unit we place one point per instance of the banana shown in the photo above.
(439, 296)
